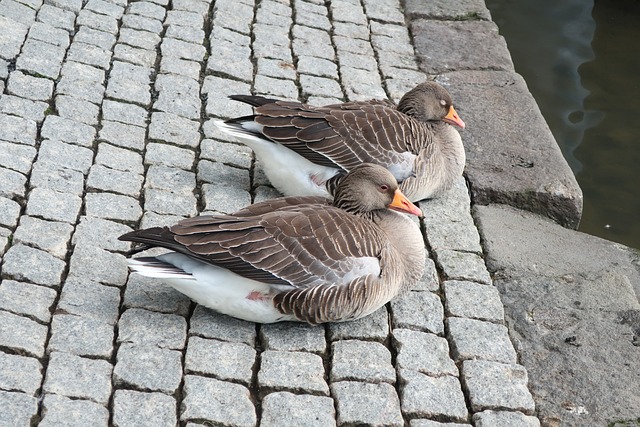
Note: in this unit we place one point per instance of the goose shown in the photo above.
(307, 259)
(301, 147)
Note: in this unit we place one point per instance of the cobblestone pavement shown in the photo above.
(106, 125)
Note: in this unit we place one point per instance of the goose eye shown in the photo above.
(383, 187)
(443, 102)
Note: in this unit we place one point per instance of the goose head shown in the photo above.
(430, 102)
(368, 188)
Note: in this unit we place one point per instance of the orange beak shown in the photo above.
(453, 119)
(401, 204)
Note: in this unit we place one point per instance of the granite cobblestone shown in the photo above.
(107, 125)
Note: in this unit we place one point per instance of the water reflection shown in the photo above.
(581, 62)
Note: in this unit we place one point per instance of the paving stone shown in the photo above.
(133, 409)
(448, 221)
(129, 82)
(209, 324)
(169, 155)
(94, 37)
(12, 37)
(135, 55)
(123, 135)
(280, 88)
(438, 10)
(271, 42)
(150, 10)
(49, 236)
(164, 178)
(429, 280)
(107, 179)
(152, 219)
(292, 371)
(136, 38)
(18, 409)
(430, 423)
(373, 362)
(82, 89)
(22, 107)
(504, 419)
(66, 130)
(14, 156)
(432, 397)
(182, 49)
(353, 45)
(201, 7)
(148, 368)
(317, 67)
(423, 352)
(284, 409)
(18, 12)
(231, 154)
(57, 17)
(398, 35)
(97, 21)
(218, 173)
(473, 300)
(293, 336)
(229, 59)
(119, 159)
(53, 205)
(19, 373)
(475, 339)
(49, 175)
(113, 206)
(217, 402)
(481, 46)
(211, 358)
(59, 410)
(66, 155)
(26, 86)
(124, 113)
(307, 39)
(462, 266)
(105, 8)
(27, 300)
(148, 293)
(185, 33)
(217, 89)
(17, 129)
(143, 327)
(264, 193)
(70, 5)
(237, 17)
(40, 58)
(419, 311)
(22, 334)
(25, 263)
(82, 297)
(4, 68)
(383, 11)
(77, 377)
(82, 336)
(138, 22)
(183, 17)
(217, 197)
(89, 54)
(493, 385)
(13, 183)
(169, 202)
(374, 327)
(357, 84)
(359, 403)
(182, 67)
(77, 109)
(174, 129)
(319, 86)
(96, 264)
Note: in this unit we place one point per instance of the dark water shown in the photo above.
(581, 61)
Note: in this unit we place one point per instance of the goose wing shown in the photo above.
(344, 135)
(297, 246)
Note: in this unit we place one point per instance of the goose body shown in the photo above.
(304, 259)
(302, 146)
